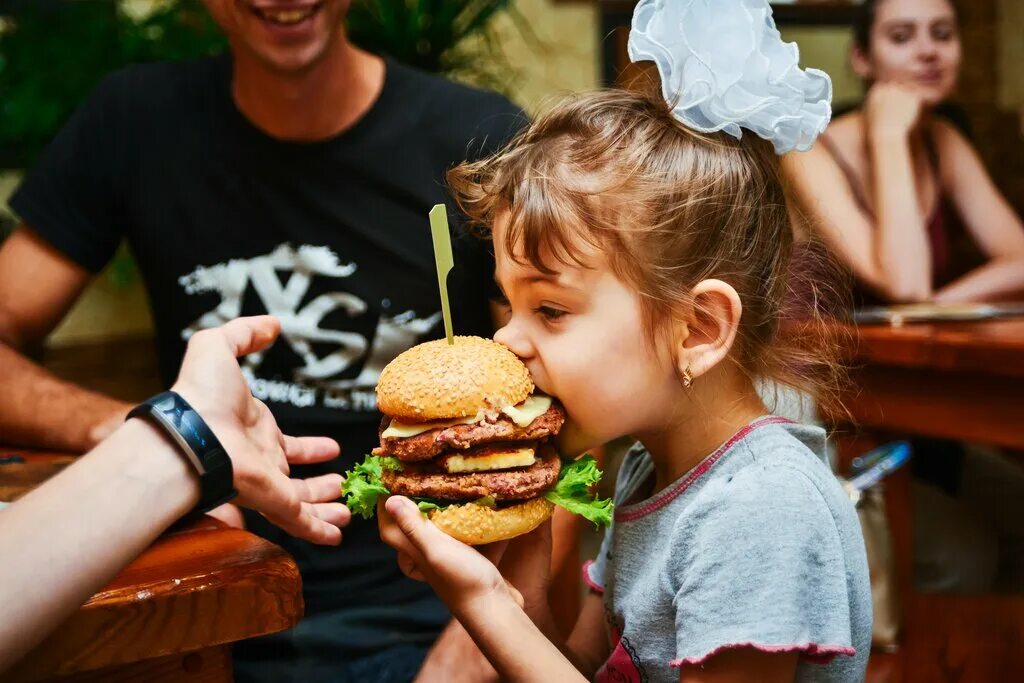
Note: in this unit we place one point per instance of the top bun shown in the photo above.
(438, 381)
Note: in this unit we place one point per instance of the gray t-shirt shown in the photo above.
(757, 546)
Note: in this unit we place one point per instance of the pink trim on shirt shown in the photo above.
(591, 584)
(630, 513)
(818, 654)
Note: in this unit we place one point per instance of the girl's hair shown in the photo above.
(864, 21)
(668, 207)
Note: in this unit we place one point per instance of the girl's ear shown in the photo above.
(711, 329)
(861, 63)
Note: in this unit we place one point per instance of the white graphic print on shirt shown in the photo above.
(300, 327)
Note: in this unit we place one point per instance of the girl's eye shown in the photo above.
(943, 33)
(900, 36)
(548, 313)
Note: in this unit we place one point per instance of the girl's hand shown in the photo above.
(526, 565)
(892, 110)
(458, 573)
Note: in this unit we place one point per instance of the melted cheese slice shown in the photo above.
(529, 410)
(522, 414)
(500, 460)
(400, 430)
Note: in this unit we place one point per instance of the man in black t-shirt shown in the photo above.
(293, 178)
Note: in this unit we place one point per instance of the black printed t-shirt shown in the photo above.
(332, 237)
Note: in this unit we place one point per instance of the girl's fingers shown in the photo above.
(493, 551)
(409, 568)
(409, 522)
(514, 592)
(309, 449)
(391, 534)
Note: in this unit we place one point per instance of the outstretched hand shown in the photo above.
(212, 382)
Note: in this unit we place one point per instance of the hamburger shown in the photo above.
(467, 438)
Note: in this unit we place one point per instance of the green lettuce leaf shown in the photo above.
(572, 491)
(393, 464)
(363, 487)
(426, 505)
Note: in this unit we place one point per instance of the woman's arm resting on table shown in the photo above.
(1001, 279)
(896, 263)
(67, 538)
(989, 218)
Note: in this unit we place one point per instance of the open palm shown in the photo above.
(211, 380)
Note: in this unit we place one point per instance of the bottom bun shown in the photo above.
(477, 524)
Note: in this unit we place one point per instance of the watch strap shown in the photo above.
(182, 423)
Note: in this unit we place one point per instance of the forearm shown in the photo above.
(63, 541)
(513, 644)
(545, 622)
(41, 410)
(902, 249)
(999, 279)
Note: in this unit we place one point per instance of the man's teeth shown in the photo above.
(288, 17)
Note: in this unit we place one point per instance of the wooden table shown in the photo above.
(952, 380)
(173, 612)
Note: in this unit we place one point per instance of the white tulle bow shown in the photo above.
(724, 67)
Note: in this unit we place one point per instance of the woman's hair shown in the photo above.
(864, 21)
(668, 207)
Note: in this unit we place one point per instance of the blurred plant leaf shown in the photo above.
(53, 53)
(443, 36)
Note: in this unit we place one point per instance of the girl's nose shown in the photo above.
(511, 336)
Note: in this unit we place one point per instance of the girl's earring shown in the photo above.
(687, 378)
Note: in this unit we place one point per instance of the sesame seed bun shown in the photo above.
(439, 381)
(477, 525)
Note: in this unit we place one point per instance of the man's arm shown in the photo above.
(38, 285)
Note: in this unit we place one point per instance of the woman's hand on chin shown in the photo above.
(892, 110)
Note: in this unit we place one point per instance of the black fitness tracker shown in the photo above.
(175, 416)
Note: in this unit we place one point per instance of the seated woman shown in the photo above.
(897, 192)
(902, 199)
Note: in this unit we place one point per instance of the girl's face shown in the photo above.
(581, 334)
(914, 42)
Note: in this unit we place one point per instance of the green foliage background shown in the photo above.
(53, 52)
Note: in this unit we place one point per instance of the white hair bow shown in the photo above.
(724, 67)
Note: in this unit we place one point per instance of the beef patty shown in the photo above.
(461, 437)
(515, 484)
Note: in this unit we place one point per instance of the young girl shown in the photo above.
(645, 263)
